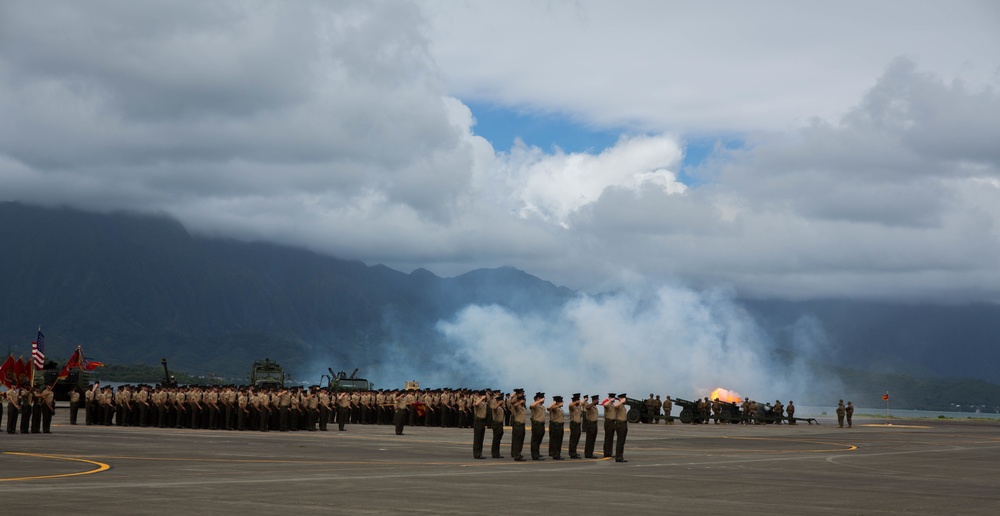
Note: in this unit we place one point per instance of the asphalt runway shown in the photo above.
(910, 467)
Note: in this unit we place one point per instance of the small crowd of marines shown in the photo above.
(496, 410)
(845, 412)
(706, 410)
(35, 408)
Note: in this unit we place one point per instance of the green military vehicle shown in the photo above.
(341, 382)
(77, 379)
(267, 374)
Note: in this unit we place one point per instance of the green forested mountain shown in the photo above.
(133, 289)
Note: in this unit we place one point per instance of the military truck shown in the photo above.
(77, 379)
(268, 374)
(341, 382)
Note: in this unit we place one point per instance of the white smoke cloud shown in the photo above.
(668, 340)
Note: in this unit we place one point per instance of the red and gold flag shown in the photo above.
(8, 374)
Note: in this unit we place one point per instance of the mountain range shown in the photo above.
(132, 288)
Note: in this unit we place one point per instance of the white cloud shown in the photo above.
(554, 186)
(336, 127)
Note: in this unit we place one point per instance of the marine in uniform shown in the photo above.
(399, 418)
(497, 407)
(790, 410)
(621, 427)
(343, 409)
(323, 398)
(537, 408)
(74, 405)
(849, 413)
(518, 418)
(656, 411)
(36, 411)
(13, 409)
(841, 411)
(479, 408)
(668, 407)
(556, 427)
(575, 424)
(26, 409)
(590, 426)
(48, 405)
(609, 425)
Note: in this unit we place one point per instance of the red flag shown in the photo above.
(8, 376)
(90, 365)
(885, 396)
(74, 361)
(23, 370)
(79, 361)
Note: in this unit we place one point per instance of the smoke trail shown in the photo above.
(665, 340)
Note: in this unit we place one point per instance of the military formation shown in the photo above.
(32, 408)
(242, 408)
(265, 409)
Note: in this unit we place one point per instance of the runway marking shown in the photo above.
(845, 447)
(892, 425)
(100, 467)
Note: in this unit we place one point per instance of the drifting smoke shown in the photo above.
(664, 340)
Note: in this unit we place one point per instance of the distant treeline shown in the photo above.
(920, 392)
(150, 374)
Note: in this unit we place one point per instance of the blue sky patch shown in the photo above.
(546, 131)
(501, 125)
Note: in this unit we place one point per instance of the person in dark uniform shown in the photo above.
(575, 424)
(609, 425)
(518, 418)
(537, 408)
(590, 426)
(556, 427)
(479, 408)
(790, 410)
(849, 412)
(498, 410)
(841, 410)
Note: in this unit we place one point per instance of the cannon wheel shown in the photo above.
(633, 415)
(687, 416)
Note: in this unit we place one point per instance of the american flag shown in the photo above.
(38, 351)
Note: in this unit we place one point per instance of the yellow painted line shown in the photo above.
(100, 467)
(893, 425)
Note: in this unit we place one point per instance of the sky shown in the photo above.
(792, 150)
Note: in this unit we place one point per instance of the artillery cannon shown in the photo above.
(638, 411)
(689, 411)
(168, 381)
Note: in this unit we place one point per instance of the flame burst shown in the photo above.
(726, 395)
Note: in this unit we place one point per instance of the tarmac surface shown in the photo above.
(908, 467)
